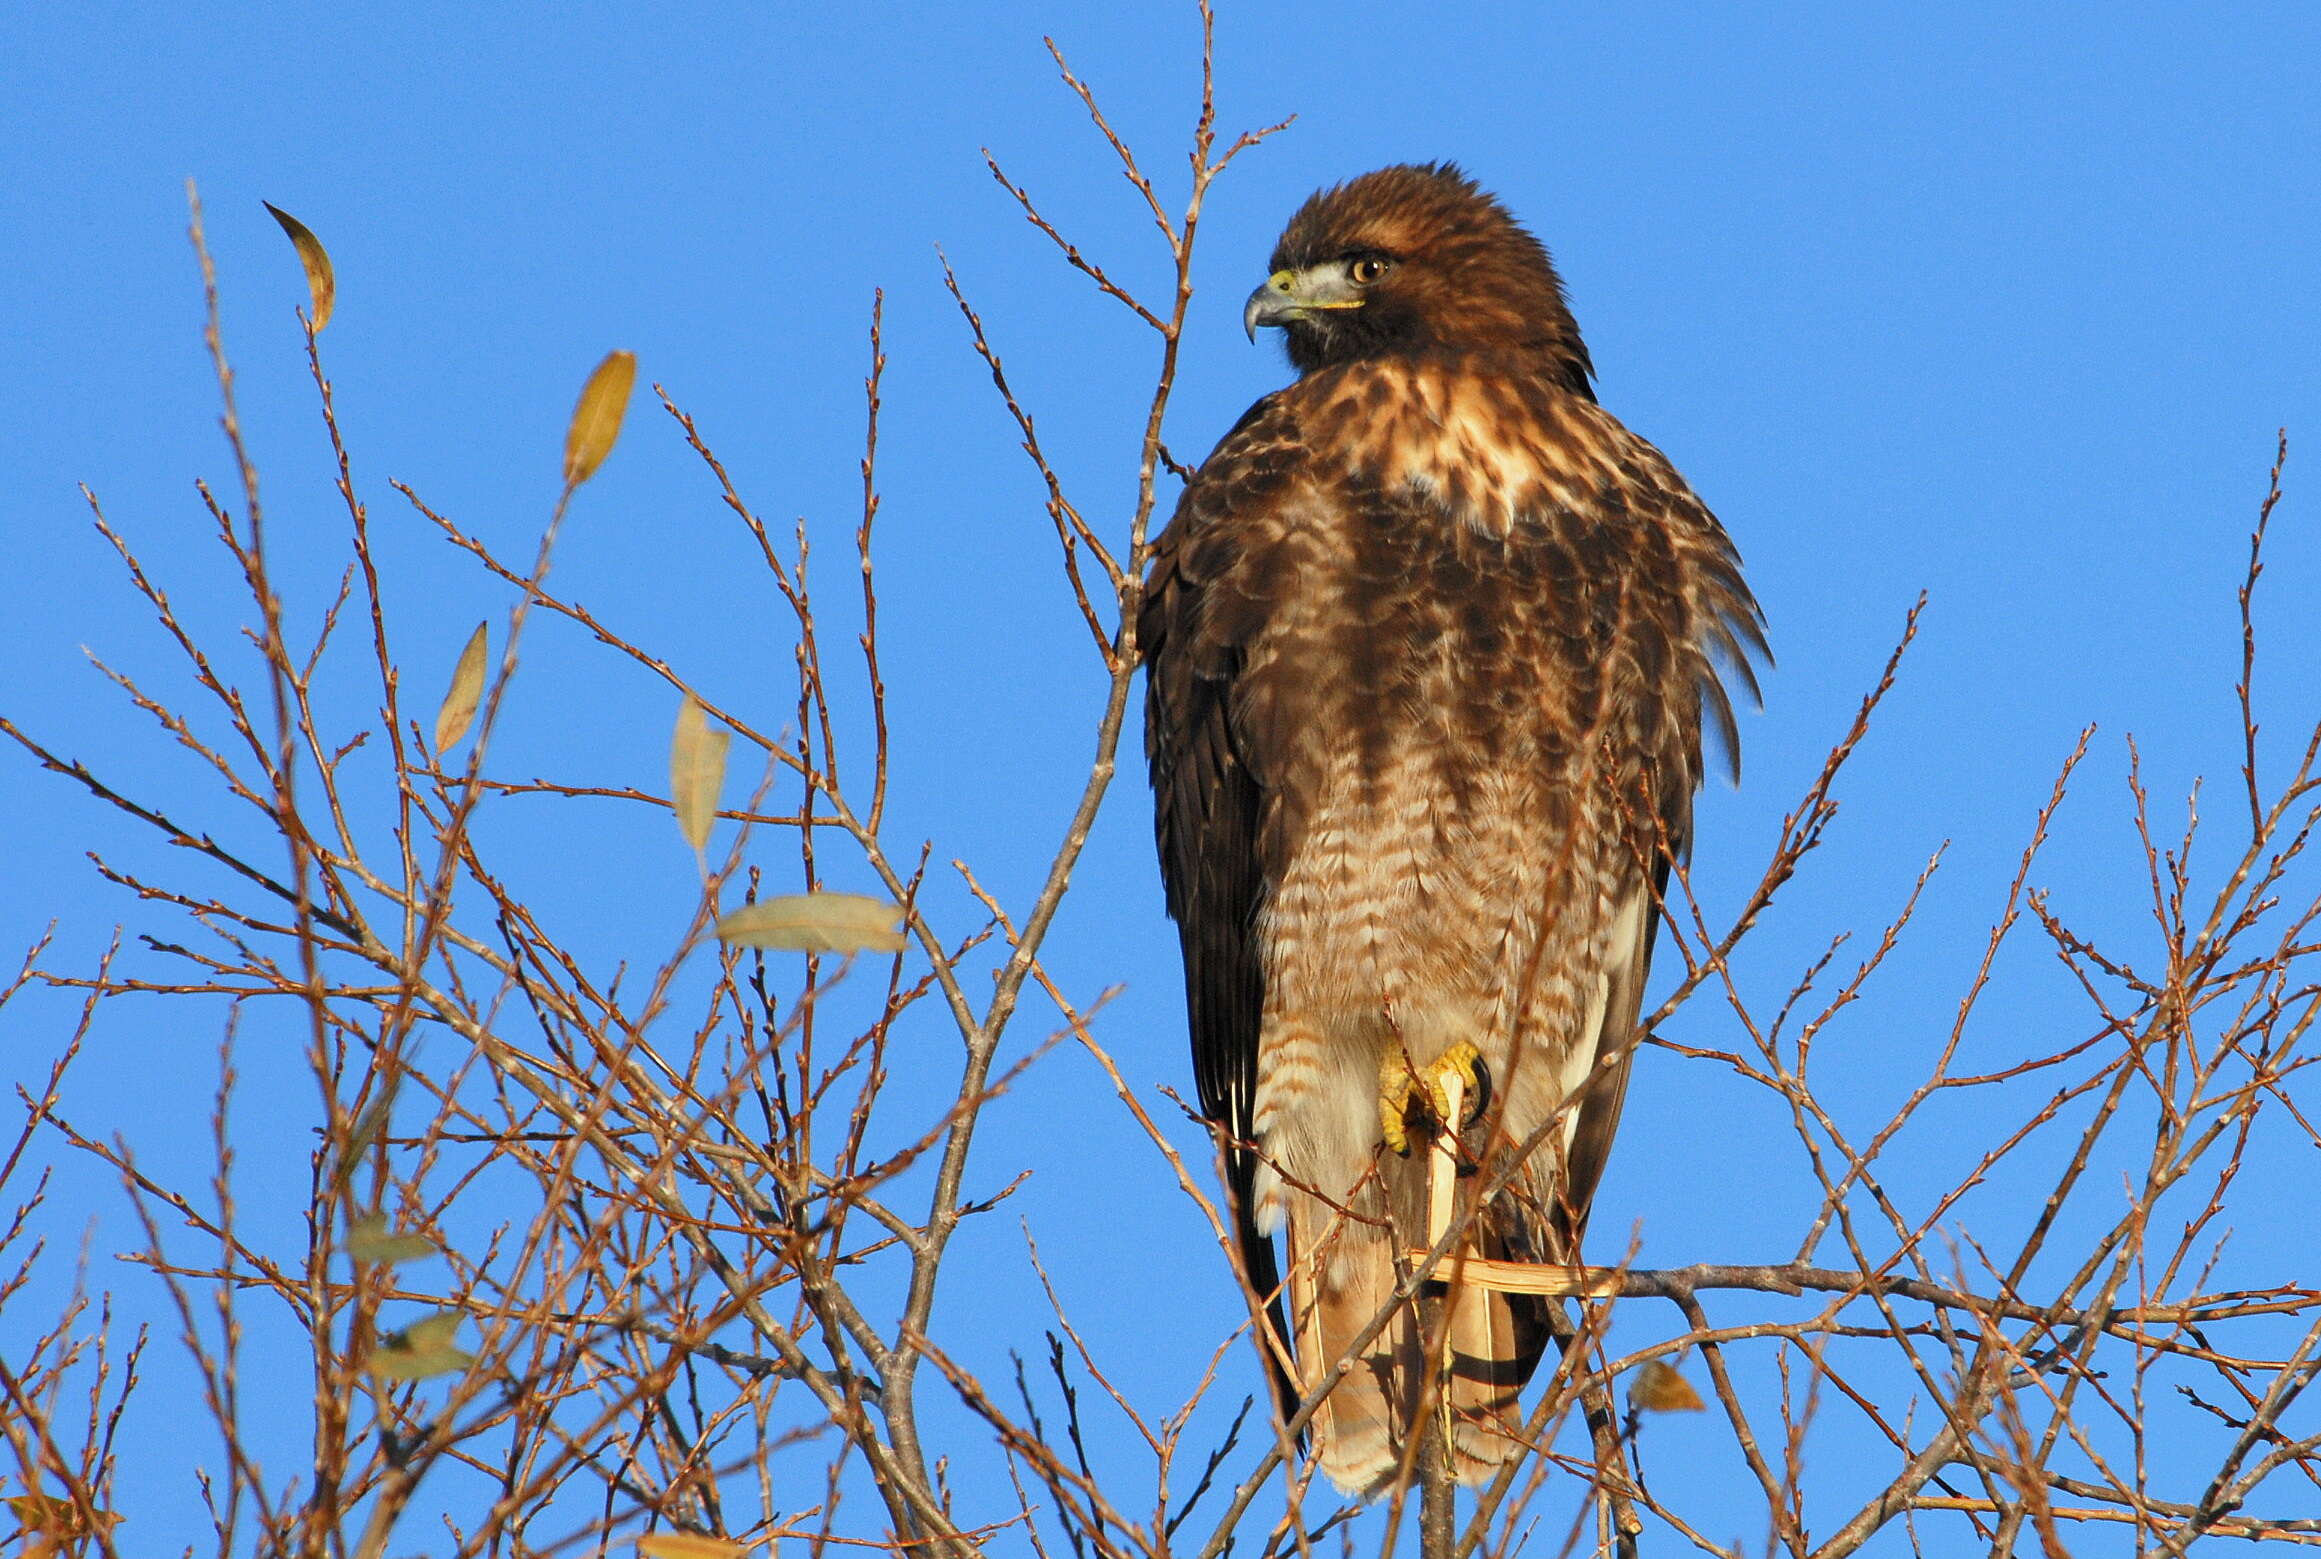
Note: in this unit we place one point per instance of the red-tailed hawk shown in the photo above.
(1430, 643)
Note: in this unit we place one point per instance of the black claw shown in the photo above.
(1479, 1097)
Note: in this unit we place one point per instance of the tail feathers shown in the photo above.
(1342, 1275)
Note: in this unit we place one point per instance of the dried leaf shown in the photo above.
(467, 691)
(421, 1350)
(690, 1545)
(370, 1239)
(321, 285)
(1657, 1388)
(696, 772)
(817, 923)
(368, 1130)
(596, 421)
(57, 1521)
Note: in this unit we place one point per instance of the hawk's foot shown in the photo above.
(1400, 1082)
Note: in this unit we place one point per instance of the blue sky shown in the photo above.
(2000, 303)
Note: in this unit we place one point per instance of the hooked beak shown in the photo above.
(1290, 296)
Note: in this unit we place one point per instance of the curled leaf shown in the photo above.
(370, 1239)
(369, 1128)
(466, 694)
(696, 772)
(817, 923)
(1658, 1388)
(421, 1350)
(596, 421)
(690, 1545)
(321, 285)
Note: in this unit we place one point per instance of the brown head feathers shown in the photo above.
(1450, 273)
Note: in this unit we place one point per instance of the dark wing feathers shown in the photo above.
(1604, 1094)
(1725, 629)
(1207, 814)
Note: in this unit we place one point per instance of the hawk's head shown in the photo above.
(1415, 261)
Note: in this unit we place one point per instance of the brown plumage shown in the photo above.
(1430, 642)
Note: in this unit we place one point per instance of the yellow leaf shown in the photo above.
(596, 421)
(1657, 1388)
(57, 1520)
(370, 1239)
(394, 1362)
(696, 772)
(817, 923)
(421, 1350)
(466, 694)
(690, 1545)
(435, 1331)
(320, 284)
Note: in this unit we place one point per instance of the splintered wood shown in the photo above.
(1510, 1277)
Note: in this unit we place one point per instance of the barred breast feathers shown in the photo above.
(1494, 451)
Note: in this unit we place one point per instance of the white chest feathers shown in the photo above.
(1478, 447)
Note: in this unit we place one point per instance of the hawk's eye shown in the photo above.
(1367, 269)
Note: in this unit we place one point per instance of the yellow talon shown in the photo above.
(1399, 1078)
(1395, 1081)
(1464, 1060)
